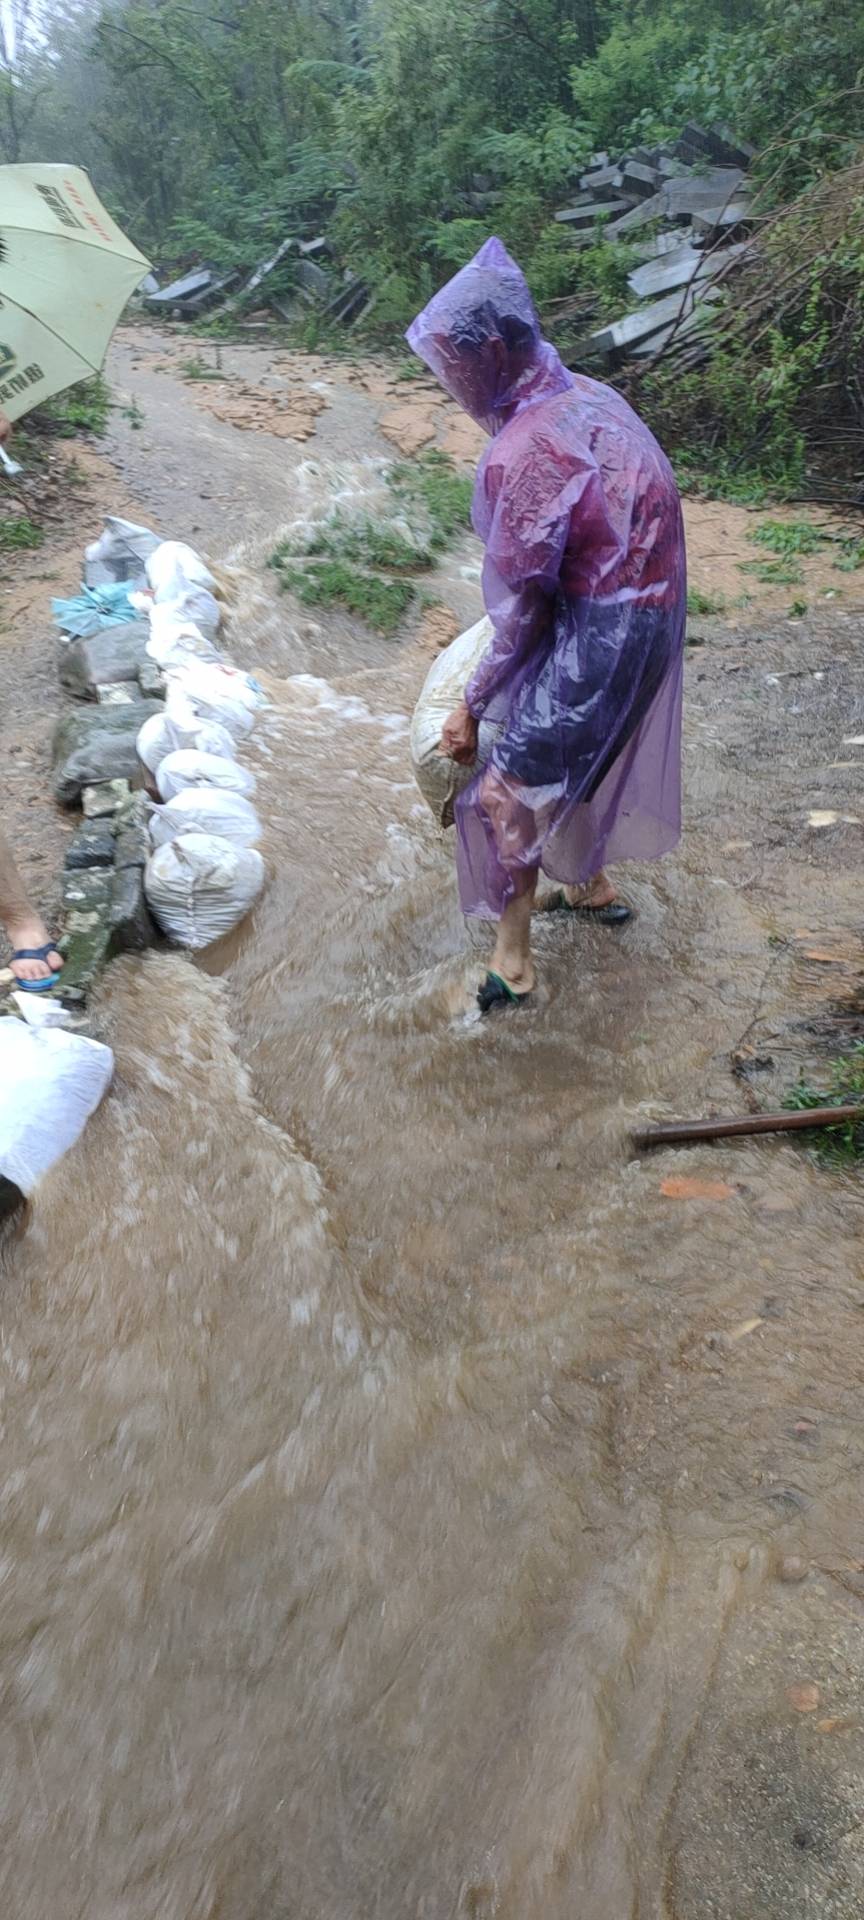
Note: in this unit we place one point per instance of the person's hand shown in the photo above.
(5, 429)
(459, 736)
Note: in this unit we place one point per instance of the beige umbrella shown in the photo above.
(66, 274)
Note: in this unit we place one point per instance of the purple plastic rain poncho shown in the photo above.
(584, 581)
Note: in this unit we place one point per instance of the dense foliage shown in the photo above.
(410, 128)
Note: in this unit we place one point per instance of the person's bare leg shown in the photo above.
(22, 922)
(512, 959)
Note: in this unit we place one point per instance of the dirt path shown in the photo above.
(413, 1503)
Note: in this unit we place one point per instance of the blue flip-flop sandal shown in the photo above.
(36, 953)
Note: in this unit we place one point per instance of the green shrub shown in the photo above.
(81, 409)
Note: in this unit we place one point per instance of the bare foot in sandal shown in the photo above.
(33, 959)
(599, 897)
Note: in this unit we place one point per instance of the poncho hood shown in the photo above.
(481, 338)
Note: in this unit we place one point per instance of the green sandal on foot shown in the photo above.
(495, 992)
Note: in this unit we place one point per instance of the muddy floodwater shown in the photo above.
(413, 1505)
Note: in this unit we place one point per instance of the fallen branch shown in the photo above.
(680, 1131)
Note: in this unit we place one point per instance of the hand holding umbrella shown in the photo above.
(11, 466)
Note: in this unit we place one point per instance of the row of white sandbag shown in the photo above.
(52, 1080)
(204, 873)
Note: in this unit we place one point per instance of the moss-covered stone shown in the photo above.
(93, 744)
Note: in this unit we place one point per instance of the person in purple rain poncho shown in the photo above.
(584, 581)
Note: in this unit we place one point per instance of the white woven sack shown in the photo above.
(199, 887)
(438, 777)
(188, 768)
(50, 1083)
(177, 728)
(206, 810)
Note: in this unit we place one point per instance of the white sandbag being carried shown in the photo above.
(50, 1083)
(199, 887)
(120, 553)
(177, 642)
(188, 768)
(179, 579)
(220, 693)
(438, 777)
(178, 728)
(206, 810)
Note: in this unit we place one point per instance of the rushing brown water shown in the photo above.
(396, 1484)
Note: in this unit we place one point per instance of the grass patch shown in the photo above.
(20, 536)
(369, 565)
(382, 604)
(717, 478)
(82, 409)
(789, 537)
(198, 369)
(704, 603)
(844, 1144)
(775, 573)
(370, 543)
(851, 556)
(444, 492)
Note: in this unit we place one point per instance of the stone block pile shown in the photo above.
(115, 687)
(687, 206)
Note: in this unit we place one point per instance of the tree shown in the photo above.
(19, 23)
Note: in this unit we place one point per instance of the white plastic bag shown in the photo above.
(181, 581)
(178, 728)
(41, 1009)
(171, 564)
(438, 777)
(199, 887)
(50, 1083)
(196, 606)
(206, 810)
(222, 693)
(176, 642)
(120, 553)
(188, 768)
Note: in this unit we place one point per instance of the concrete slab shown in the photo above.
(639, 181)
(678, 269)
(582, 219)
(640, 216)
